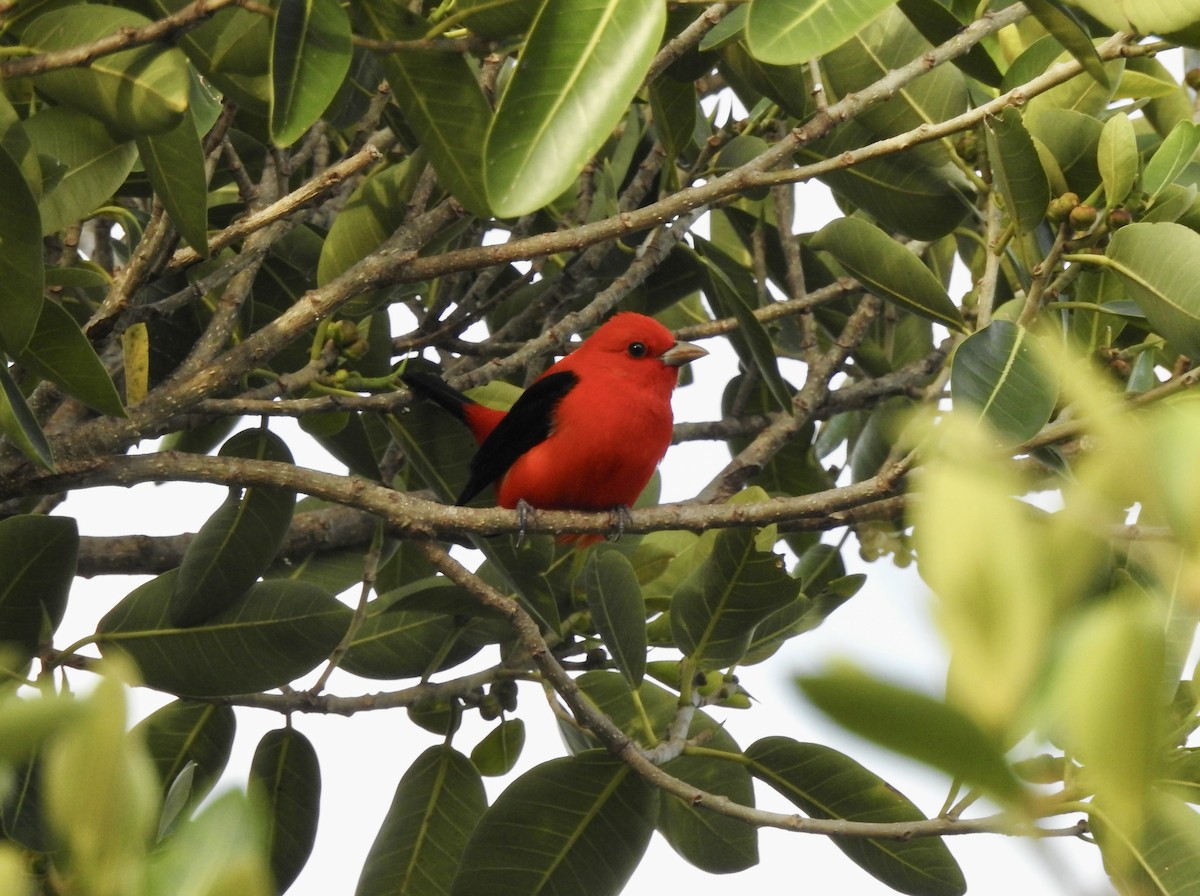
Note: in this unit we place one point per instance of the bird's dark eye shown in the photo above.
(637, 349)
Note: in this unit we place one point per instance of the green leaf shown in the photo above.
(95, 164)
(1016, 169)
(614, 598)
(1171, 157)
(937, 25)
(1160, 17)
(418, 848)
(174, 161)
(1161, 856)
(498, 18)
(789, 32)
(575, 826)
(1065, 29)
(61, 353)
(997, 373)
(21, 267)
(274, 633)
(143, 90)
(715, 610)
(310, 55)
(580, 68)
(824, 783)
(674, 106)
(1160, 266)
(1118, 159)
(37, 565)
(402, 639)
(187, 733)
(887, 269)
(238, 543)
(18, 423)
(497, 753)
(914, 725)
(441, 100)
(286, 774)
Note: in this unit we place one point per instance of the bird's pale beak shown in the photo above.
(681, 353)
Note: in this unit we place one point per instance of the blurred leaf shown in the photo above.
(440, 98)
(997, 373)
(614, 598)
(715, 610)
(310, 56)
(1141, 18)
(272, 634)
(585, 823)
(499, 751)
(1171, 157)
(61, 353)
(1118, 159)
(183, 733)
(21, 267)
(37, 567)
(824, 783)
(1160, 267)
(580, 67)
(887, 269)
(1065, 29)
(26, 725)
(19, 425)
(914, 725)
(1161, 856)
(238, 543)
(95, 164)
(420, 845)
(286, 775)
(786, 32)
(143, 90)
(1016, 169)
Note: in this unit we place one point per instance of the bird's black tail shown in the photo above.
(429, 386)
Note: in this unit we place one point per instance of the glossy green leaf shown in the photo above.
(824, 783)
(715, 610)
(1016, 169)
(937, 25)
(614, 598)
(310, 56)
(788, 32)
(997, 373)
(675, 107)
(1118, 159)
(786, 85)
(498, 18)
(174, 161)
(238, 543)
(286, 774)
(37, 566)
(1072, 140)
(581, 65)
(274, 633)
(887, 269)
(95, 165)
(143, 90)
(418, 848)
(441, 100)
(576, 826)
(399, 641)
(914, 725)
(186, 732)
(19, 425)
(1171, 157)
(1065, 29)
(499, 751)
(21, 266)
(1160, 266)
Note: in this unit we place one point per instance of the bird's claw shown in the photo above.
(525, 510)
(621, 519)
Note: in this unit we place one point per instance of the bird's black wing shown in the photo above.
(526, 424)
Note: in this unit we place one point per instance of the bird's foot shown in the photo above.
(525, 512)
(621, 519)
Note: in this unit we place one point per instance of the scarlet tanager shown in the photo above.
(588, 433)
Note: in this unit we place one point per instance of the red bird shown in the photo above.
(588, 433)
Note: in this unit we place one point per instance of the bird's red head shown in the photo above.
(630, 342)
